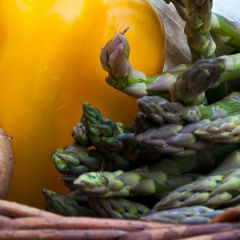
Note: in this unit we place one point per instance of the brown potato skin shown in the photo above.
(6, 163)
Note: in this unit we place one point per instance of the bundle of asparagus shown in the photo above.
(153, 170)
(92, 170)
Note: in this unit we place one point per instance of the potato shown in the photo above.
(6, 163)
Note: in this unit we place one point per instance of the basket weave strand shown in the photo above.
(20, 222)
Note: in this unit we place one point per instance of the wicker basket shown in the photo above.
(23, 222)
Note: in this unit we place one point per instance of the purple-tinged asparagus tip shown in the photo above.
(115, 56)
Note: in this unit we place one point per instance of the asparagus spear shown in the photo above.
(198, 24)
(64, 205)
(192, 83)
(228, 31)
(102, 132)
(125, 184)
(175, 139)
(184, 215)
(224, 130)
(115, 141)
(222, 189)
(118, 208)
(159, 110)
(76, 159)
(179, 81)
(185, 140)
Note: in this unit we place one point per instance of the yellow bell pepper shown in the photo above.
(49, 66)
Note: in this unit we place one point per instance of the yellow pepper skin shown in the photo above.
(49, 66)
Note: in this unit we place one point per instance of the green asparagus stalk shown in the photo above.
(222, 189)
(125, 184)
(175, 139)
(185, 83)
(159, 110)
(102, 132)
(64, 205)
(224, 130)
(184, 215)
(192, 83)
(198, 24)
(228, 31)
(76, 159)
(116, 142)
(117, 208)
(202, 76)
(185, 140)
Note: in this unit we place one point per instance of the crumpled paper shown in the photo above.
(177, 50)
